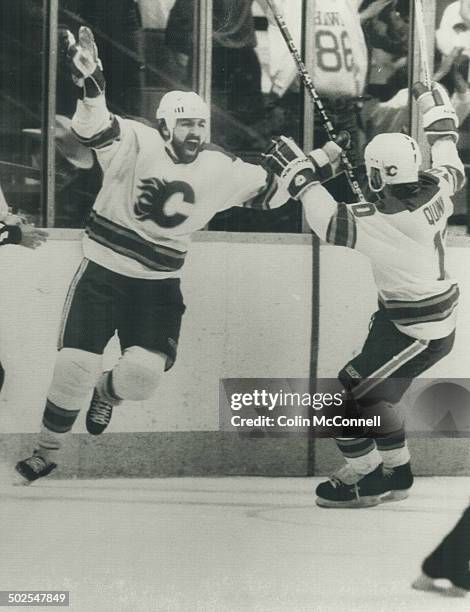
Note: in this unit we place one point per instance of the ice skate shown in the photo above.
(397, 482)
(346, 489)
(99, 414)
(443, 586)
(32, 468)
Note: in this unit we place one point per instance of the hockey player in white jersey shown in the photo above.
(403, 234)
(159, 186)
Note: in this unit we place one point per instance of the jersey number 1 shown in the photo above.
(439, 246)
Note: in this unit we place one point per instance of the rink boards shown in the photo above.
(258, 305)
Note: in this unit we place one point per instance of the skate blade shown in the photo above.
(429, 585)
(393, 496)
(17, 480)
(363, 502)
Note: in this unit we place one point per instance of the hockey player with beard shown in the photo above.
(403, 235)
(159, 186)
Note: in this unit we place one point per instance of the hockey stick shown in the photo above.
(310, 87)
(423, 50)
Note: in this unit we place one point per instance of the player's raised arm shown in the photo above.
(92, 123)
(440, 124)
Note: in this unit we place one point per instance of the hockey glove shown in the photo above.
(438, 114)
(85, 65)
(287, 161)
(327, 160)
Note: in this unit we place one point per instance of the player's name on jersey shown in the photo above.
(328, 18)
(434, 211)
(297, 421)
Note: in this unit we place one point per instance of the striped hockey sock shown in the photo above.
(56, 424)
(393, 449)
(360, 453)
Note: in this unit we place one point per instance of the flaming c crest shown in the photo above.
(154, 193)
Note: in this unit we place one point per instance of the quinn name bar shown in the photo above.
(299, 421)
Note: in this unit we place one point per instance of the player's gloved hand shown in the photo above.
(31, 237)
(438, 114)
(327, 160)
(287, 161)
(12, 219)
(85, 65)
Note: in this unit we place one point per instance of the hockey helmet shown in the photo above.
(392, 159)
(181, 105)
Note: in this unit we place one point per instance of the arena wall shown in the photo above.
(252, 302)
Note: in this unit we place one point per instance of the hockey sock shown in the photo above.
(393, 449)
(105, 389)
(56, 423)
(360, 453)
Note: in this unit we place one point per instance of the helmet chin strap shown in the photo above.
(382, 182)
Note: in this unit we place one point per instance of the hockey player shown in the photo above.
(403, 235)
(13, 230)
(449, 561)
(159, 187)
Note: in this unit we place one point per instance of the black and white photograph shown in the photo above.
(235, 305)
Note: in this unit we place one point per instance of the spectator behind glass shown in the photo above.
(387, 35)
(454, 28)
(339, 71)
(236, 72)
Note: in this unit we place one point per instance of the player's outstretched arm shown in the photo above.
(92, 123)
(441, 124)
(301, 177)
(23, 234)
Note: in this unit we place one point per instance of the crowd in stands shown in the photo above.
(150, 46)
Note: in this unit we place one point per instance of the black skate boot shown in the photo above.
(397, 482)
(446, 569)
(99, 414)
(34, 467)
(364, 493)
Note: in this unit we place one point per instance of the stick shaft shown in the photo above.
(310, 87)
(423, 50)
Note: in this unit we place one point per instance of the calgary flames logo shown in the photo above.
(164, 202)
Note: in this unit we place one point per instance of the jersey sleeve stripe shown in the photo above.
(342, 228)
(261, 200)
(457, 176)
(103, 138)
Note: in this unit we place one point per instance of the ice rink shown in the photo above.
(225, 544)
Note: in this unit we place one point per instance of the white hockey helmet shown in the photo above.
(181, 105)
(392, 159)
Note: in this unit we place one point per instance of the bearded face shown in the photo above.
(188, 138)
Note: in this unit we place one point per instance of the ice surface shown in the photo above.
(226, 544)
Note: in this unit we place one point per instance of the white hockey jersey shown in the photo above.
(341, 56)
(149, 203)
(405, 242)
